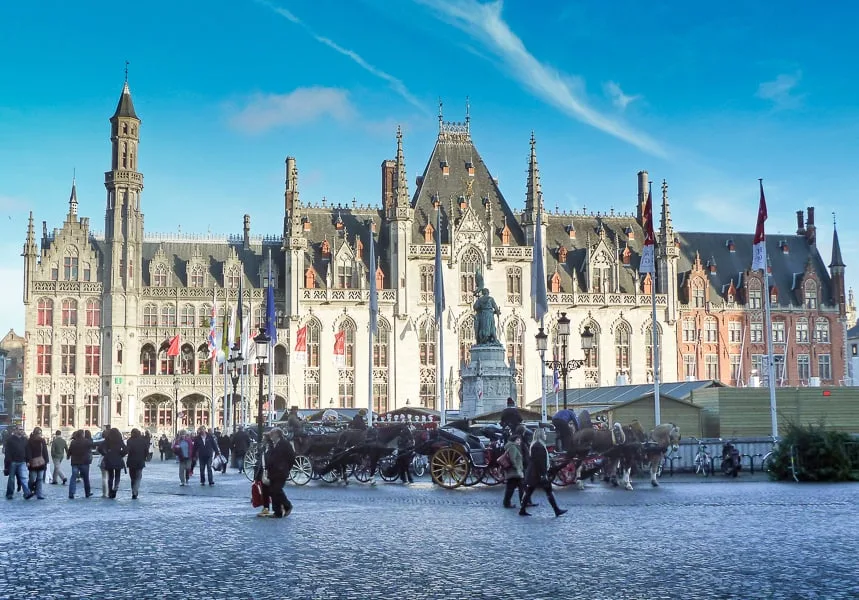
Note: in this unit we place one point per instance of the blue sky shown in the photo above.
(709, 97)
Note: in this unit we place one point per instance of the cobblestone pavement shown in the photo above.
(720, 539)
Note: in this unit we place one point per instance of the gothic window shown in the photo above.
(690, 367)
(159, 276)
(167, 363)
(466, 340)
(204, 361)
(196, 277)
(755, 297)
(821, 331)
(427, 277)
(735, 332)
(344, 274)
(778, 332)
(233, 278)
(514, 337)
(802, 331)
(124, 155)
(70, 265)
(810, 295)
(824, 366)
(93, 313)
(311, 367)
(514, 285)
(187, 316)
(150, 315)
(469, 266)
(592, 358)
(756, 332)
(803, 367)
(648, 350)
(698, 293)
(186, 360)
(711, 330)
(381, 349)
(206, 316)
(67, 410)
(690, 333)
(602, 281)
(505, 236)
(55, 272)
(428, 234)
(69, 312)
(45, 312)
(346, 373)
(68, 356)
(281, 358)
(92, 359)
(711, 366)
(426, 354)
(43, 359)
(621, 349)
(91, 410)
(147, 360)
(168, 315)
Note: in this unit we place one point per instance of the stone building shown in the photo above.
(13, 346)
(100, 308)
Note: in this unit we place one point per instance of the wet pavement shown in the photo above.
(701, 539)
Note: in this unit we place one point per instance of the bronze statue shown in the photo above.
(484, 320)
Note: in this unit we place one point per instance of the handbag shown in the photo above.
(504, 461)
(37, 462)
(256, 494)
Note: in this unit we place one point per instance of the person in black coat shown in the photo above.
(80, 455)
(358, 421)
(240, 444)
(224, 446)
(205, 449)
(405, 454)
(37, 462)
(138, 450)
(15, 462)
(164, 446)
(279, 459)
(510, 417)
(113, 450)
(537, 475)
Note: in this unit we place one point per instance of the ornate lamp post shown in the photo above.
(262, 344)
(236, 361)
(564, 366)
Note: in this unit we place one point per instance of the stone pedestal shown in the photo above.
(487, 381)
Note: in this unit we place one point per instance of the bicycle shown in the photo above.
(669, 460)
(767, 460)
(703, 460)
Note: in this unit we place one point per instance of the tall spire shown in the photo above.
(837, 260)
(125, 107)
(403, 199)
(73, 199)
(665, 225)
(30, 243)
(533, 191)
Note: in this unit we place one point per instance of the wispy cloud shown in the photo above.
(618, 98)
(262, 112)
(484, 23)
(780, 91)
(394, 83)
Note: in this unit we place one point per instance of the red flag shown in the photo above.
(759, 252)
(173, 350)
(647, 260)
(340, 343)
(301, 340)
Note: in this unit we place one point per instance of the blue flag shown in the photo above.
(439, 283)
(538, 270)
(374, 293)
(270, 317)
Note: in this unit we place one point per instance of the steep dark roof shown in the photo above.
(836, 261)
(455, 148)
(853, 332)
(125, 107)
(786, 268)
(214, 255)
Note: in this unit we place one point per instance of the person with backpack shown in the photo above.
(183, 448)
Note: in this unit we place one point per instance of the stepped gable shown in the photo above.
(455, 149)
(323, 227)
(786, 268)
(621, 230)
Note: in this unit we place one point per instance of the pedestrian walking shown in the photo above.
(514, 474)
(240, 442)
(205, 448)
(14, 462)
(138, 450)
(113, 449)
(261, 476)
(59, 449)
(537, 475)
(164, 446)
(80, 455)
(405, 454)
(183, 448)
(37, 462)
(105, 483)
(278, 463)
(223, 440)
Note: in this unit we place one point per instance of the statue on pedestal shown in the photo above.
(486, 310)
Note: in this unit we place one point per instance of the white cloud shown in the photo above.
(267, 111)
(395, 84)
(618, 98)
(484, 23)
(780, 90)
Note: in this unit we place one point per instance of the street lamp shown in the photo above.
(564, 366)
(176, 405)
(262, 344)
(236, 361)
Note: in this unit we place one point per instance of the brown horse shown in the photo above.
(662, 437)
(597, 441)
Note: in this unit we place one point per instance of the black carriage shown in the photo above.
(460, 457)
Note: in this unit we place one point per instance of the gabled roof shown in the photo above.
(455, 149)
(621, 394)
(125, 107)
(836, 261)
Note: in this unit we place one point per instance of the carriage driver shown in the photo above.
(294, 424)
(358, 421)
(510, 417)
(561, 421)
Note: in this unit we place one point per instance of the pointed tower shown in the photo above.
(667, 256)
(400, 216)
(533, 194)
(73, 201)
(836, 270)
(30, 254)
(294, 240)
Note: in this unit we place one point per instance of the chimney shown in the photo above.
(810, 229)
(247, 232)
(642, 196)
(800, 223)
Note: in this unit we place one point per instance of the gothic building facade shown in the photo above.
(100, 308)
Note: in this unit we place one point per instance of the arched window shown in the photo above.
(93, 313)
(810, 295)
(187, 316)
(344, 273)
(70, 264)
(281, 357)
(124, 155)
(698, 296)
(159, 276)
(206, 316)
(602, 280)
(147, 360)
(514, 285)
(592, 358)
(711, 330)
(381, 349)
(259, 317)
(168, 315)
(427, 354)
(346, 373)
(150, 315)
(514, 335)
(186, 360)
(311, 366)
(621, 349)
(204, 360)
(755, 297)
(427, 277)
(821, 331)
(196, 279)
(648, 352)
(167, 364)
(466, 340)
(802, 330)
(469, 265)
(69, 312)
(233, 278)
(45, 312)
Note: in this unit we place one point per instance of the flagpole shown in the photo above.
(657, 408)
(648, 266)
(543, 415)
(272, 413)
(214, 354)
(768, 328)
(439, 313)
(373, 325)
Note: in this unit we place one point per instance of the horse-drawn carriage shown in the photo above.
(461, 455)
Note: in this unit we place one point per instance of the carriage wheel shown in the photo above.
(331, 476)
(495, 475)
(449, 467)
(475, 475)
(302, 470)
(251, 463)
(419, 465)
(361, 471)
